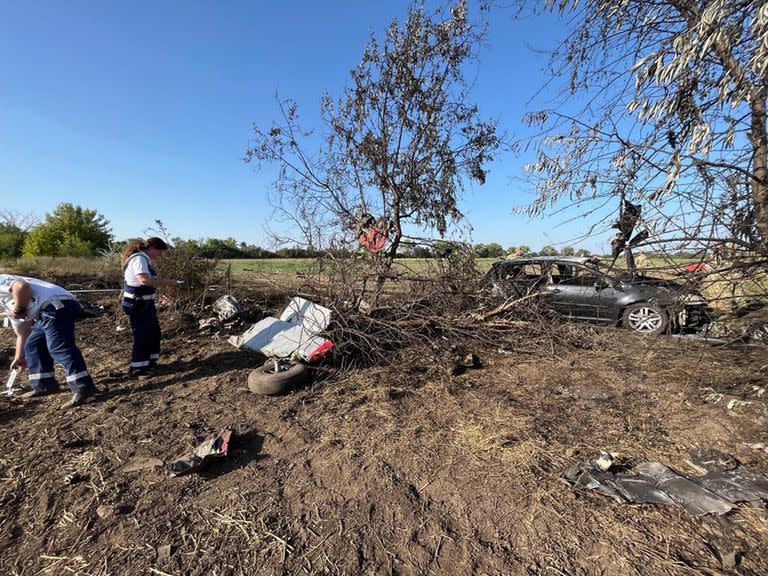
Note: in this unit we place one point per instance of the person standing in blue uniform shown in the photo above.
(43, 316)
(138, 301)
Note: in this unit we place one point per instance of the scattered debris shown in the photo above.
(9, 384)
(604, 461)
(107, 511)
(373, 232)
(698, 267)
(164, 552)
(213, 448)
(749, 402)
(296, 332)
(464, 360)
(734, 404)
(104, 512)
(723, 483)
(746, 325)
(74, 478)
(206, 323)
(88, 310)
(625, 224)
(226, 308)
(140, 464)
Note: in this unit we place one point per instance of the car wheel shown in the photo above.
(646, 318)
(288, 377)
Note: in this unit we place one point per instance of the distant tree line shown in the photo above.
(231, 248)
(494, 250)
(72, 230)
(441, 249)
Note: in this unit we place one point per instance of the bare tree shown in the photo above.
(22, 221)
(673, 117)
(14, 229)
(396, 148)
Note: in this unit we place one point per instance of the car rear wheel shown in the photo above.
(646, 318)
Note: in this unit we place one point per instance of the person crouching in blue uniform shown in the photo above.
(141, 284)
(43, 316)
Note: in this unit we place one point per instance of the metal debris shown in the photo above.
(213, 448)
(723, 484)
(137, 464)
(226, 308)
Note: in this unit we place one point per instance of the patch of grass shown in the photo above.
(52, 267)
(305, 265)
(268, 265)
(477, 438)
(425, 265)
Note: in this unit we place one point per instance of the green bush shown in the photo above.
(185, 263)
(11, 241)
(69, 231)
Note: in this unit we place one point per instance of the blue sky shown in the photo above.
(143, 110)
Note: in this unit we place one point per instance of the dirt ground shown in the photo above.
(397, 469)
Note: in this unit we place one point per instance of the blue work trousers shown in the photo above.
(52, 339)
(146, 333)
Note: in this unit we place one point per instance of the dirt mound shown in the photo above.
(407, 468)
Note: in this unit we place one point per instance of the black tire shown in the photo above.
(266, 381)
(645, 318)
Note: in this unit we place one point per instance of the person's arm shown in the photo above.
(22, 332)
(147, 280)
(22, 294)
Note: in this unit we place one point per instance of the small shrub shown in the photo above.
(185, 263)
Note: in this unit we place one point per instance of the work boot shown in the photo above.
(78, 399)
(143, 373)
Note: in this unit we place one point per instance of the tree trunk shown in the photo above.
(630, 258)
(759, 140)
(388, 258)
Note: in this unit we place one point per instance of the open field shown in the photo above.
(398, 468)
(100, 266)
(305, 265)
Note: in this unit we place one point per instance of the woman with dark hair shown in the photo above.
(139, 288)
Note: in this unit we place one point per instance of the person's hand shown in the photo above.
(19, 363)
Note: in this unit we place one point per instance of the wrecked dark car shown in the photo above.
(575, 288)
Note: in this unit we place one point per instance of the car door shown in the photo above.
(508, 278)
(582, 294)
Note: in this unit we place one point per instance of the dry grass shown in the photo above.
(106, 268)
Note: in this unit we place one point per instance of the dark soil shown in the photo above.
(398, 469)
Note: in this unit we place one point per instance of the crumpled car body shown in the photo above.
(575, 287)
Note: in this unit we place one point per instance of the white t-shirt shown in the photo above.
(42, 291)
(137, 263)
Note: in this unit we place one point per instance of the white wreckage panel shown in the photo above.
(313, 317)
(296, 332)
